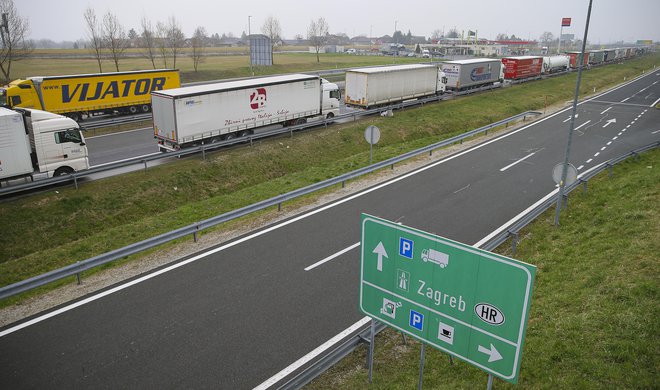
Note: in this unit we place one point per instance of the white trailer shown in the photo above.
(472, 73)
(36, 143)
(375, 86)
(212, 112)
(553, 64)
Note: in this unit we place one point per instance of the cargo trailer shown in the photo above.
(522, 67)
(596, 57)
(212, 112)
(382, 85)
(553, 64)
(574, 55)
(472, 73)
(89, 94)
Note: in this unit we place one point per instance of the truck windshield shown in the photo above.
(71, 135)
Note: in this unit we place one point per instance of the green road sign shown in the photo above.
(465, 301)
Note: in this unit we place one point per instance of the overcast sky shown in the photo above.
(611, 20)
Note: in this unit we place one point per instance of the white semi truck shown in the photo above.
(383, 85)
(37, 144)
(208, 113)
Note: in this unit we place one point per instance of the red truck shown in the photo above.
(522, 67)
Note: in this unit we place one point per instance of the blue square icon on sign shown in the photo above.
(406, 247)
(416, 320)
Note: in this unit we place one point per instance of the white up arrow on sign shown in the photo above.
(609, 122)
(493, 354)
(380, 251)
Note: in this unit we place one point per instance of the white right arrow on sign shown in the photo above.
(493, 354)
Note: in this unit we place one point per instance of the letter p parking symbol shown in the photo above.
(416, 320)
(406, 247)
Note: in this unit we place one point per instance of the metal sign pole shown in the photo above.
(562, 183)
(371, 348)
(421, 367)
(489, 386)
(371, 147)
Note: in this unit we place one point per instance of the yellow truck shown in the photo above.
(89, 94)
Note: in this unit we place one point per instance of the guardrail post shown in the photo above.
(611, 169)
(584, 185)
(514, 242)
(75, 179)
(392, 167)
(430, 152)
(343, 184)
(203, 153)
(78, 275)
(279, 207)
(635, 155)
(565, 196)
(145, 164)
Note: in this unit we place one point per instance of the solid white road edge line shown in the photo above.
(303, 360)
(341, 252)
(290, 221)
(516, 162)
(654, 103)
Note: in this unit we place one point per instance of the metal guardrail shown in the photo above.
(73, 177)
(193, 229)
(513, 230)
(309, 373)
(115, 121)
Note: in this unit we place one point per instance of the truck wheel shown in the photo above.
(230, 136)
(301, 121)
(145, 108)
(330, 115)
(132, 110)
(244, 133)
(63, 171)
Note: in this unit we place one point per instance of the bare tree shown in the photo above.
(15, 45)
(95, 35)
(114, 37)
(547, 38)
(317, 34)
(175, 39)
(161, 41)
(148, 41)
(198, 42)
(271, 28)
(436, 34)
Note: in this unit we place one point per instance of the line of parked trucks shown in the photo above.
(39, 142)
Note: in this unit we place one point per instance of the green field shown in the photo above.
(595, 318)
(56, 228)
(213, 68)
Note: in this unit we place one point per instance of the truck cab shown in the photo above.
(441, 86)
(19, 93)
(58, 145)
(330, 100)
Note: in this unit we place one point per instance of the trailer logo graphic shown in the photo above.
(258, 98)
(86, 91)
(478, 74)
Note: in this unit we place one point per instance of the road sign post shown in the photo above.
(467, 302)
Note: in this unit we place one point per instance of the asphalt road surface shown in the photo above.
(235, 315)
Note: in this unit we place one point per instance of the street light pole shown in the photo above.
(250, 45)
(564, 171)
(396, 42)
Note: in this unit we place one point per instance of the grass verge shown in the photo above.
(595, 319)
(56, 228)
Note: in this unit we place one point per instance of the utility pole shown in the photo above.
(396, 42)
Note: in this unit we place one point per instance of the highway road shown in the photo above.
(235, 315)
